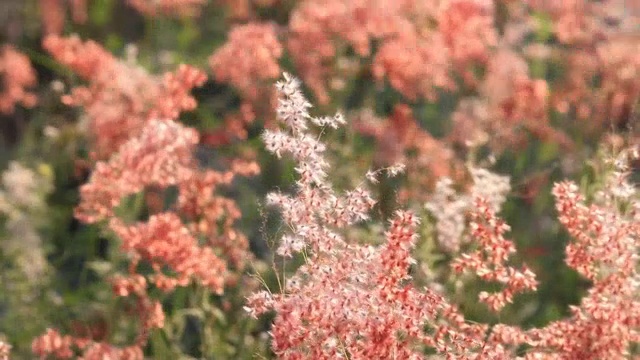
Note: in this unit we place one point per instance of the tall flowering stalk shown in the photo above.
(604, 249)
(347, 300)
(354, 300)
(489, 261)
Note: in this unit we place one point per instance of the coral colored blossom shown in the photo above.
(16, 77)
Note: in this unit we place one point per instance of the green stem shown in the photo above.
(46, 62)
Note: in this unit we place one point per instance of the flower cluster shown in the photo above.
(431, 82)
(161, 155)
(510, 106)
(489, 261)
(468, 31)
(450, 208)
(163, 241)
(5, 350)
(249, 57)
(249, 62)
(414, 57)
(65, 347)
(347, 299)
(320, 31)
(604, 250)
(356, 300)
(598, 42)
(121, 97)
(479, 49)
(213, 216)
(145, 152)
(16, 77)
(22, 202)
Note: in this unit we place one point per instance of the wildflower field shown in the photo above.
(319, 179)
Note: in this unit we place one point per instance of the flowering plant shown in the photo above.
(473, 197)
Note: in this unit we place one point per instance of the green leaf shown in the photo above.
(545, 26)
(100, 12)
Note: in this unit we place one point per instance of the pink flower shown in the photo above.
(164, 241)
(347, 298)
(16, 76)
(248, 59)
(5, 350)
(160, 156)
(121, 97)
(489, 262)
